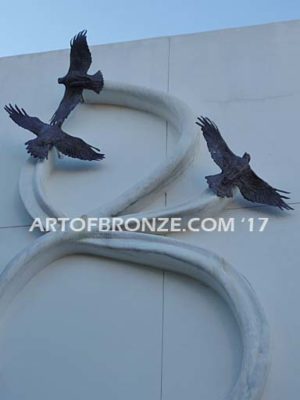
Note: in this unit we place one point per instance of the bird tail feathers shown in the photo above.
(217, 185)
(97, 82)
(101, 156)
(37, 149)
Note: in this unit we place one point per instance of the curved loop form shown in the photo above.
(33, 178)
(190, 213)
(166, 254)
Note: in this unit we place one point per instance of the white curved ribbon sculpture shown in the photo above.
(140, 248)
(33, 180)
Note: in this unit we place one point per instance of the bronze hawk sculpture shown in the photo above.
(236, 171)
(77, 78)
(49, 136)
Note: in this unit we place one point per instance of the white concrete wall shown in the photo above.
(87, 328)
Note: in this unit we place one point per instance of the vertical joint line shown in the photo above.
(169, 52)
(167, 137)
(167, 124)
(162, 335)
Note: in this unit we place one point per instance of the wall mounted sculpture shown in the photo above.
(236, 172)
(49, 136)
(77, 78)
(140, 248)
(173, 255)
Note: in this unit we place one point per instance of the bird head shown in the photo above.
(60, 80)
(247, 157)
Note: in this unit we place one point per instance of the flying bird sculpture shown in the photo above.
(49, 136)
(236, 171)
(77, 78)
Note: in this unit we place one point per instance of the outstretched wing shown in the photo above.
(254, 189)
(220, 152)
(80, 56)
(70, 100)
(20, 117)
(77, 148)
(37, 149)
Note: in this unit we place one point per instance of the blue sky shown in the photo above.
(30, 26)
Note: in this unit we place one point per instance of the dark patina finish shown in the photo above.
(236, 171)
(49, 136)
(77, 78)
